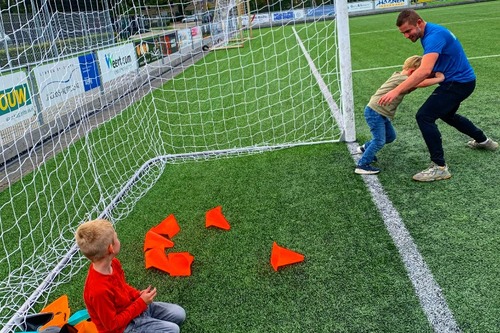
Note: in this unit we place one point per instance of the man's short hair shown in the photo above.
(407, 16)
(94, 237)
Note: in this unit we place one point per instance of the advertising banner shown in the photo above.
(299, 14)
(281, 16)
(117, 61)
(90, 71)
(184, 39)
(325, 10)
(256, 19)
(196, 34)
(359, 6)
(169, 44)
(148, 50)
(379, 4)
(59, 81)
(15, 99)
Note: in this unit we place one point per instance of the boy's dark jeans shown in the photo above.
(443, 104)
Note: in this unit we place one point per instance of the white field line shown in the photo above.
(443, 23)
(428, 291)
(334, 109)
(399, 66)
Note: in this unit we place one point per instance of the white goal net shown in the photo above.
(96, 98)
(227, 26)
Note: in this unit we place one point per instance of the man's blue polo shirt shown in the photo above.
(452, 61)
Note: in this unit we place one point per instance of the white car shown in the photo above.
(190, 18)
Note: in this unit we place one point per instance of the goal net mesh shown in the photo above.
(96, 99)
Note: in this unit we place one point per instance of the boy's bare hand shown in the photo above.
(148, 295)
(439, 75)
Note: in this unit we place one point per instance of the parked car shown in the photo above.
(190, 18)
(206, 17)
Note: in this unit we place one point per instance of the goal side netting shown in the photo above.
(96, 100)
(227, 28)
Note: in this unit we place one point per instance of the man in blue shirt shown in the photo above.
(442, 53)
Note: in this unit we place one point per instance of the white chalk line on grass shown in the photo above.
(400, 66)
(324, 88)
(428, 291)
(445, 23)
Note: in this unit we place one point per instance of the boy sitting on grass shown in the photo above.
(113, 305)
(379, 117)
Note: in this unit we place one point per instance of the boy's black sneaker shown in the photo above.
(366, 169)
(361, 150)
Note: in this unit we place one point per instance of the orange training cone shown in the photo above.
(153, 240)
(86, 326)
(281, 256)
(61, 311)
(158, 259)
(180, 263)
(168, 226)
(215, 218)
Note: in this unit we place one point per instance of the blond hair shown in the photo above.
(412, 62)
(94, 237)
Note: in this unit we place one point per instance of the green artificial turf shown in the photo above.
(309, 200)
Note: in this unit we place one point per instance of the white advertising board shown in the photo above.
(256, 19)
(185, 40)
(117, 61)
(58, 81)
(359, 6)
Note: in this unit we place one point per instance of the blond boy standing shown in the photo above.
(379, 117)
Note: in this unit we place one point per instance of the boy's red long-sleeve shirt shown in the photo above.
(110, 301)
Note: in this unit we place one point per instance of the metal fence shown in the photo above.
(31, 38)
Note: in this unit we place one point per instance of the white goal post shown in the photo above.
(342, 17)
(96, 100)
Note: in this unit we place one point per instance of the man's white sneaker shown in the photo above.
(487, 145)
(434, 172)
